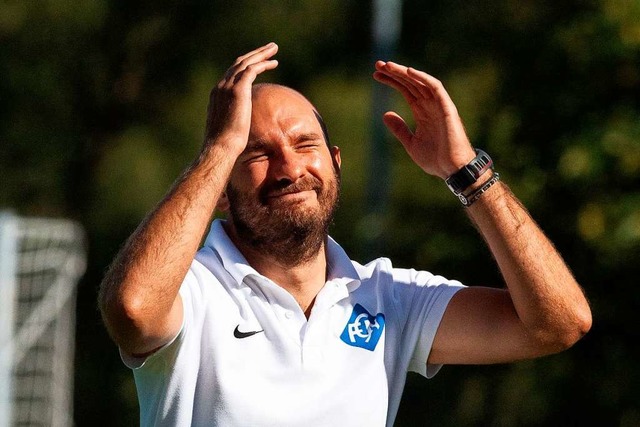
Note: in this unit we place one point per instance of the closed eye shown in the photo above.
(308, 141)
(255, 157)
(307, 145)
(255, 151)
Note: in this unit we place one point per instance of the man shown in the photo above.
(271, 323)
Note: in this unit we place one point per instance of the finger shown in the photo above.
(400, 72)
(261, 55)
(440, 94)
(380, 65)
(252, 69)
(398, 83)
(435, 86)
(252, 57)
(424, 78)
(398, 127)
(253, 52)
(427, 84)
(249, 74)
(394, 83)
(395, 72)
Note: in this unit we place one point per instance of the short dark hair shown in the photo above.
(322, 126)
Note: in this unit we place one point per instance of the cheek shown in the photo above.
(316, 163)
(319, 163)
(248, 178)
(323, 166)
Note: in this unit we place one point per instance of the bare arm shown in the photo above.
(139, 296)
(543, 310)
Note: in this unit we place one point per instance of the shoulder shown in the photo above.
(382, 270)
(373, 269)
(410, 293)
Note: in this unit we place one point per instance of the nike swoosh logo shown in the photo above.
(240, 335)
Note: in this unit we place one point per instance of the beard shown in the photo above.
(290, 231)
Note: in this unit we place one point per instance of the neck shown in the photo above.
(301, 276)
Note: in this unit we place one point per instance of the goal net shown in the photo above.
(41, 261)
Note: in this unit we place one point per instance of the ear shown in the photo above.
(223, 203)
(335, 154)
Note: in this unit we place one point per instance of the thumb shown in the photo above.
(398, 127)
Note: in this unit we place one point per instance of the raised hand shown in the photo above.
(439, 144)
(229, 111)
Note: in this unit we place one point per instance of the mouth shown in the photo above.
(297, 195)
(291, 192)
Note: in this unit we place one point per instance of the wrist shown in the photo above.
(473, 179)
(460, 162)
(470, 173)
(233, 145)
(478, 189)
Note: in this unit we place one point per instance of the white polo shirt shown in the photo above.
(247, 356)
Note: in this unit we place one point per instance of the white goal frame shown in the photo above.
(41, 261)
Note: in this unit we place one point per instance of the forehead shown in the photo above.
(277, 110)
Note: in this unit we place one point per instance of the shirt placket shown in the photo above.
(318, 327)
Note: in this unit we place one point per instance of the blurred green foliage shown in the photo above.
(103, 105)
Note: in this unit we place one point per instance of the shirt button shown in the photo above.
(288, 314)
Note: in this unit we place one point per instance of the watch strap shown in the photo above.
(469, 174)
(471, 198)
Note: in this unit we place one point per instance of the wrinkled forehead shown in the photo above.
(278, 108)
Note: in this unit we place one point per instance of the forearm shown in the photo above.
(545, 295)
(139, 296)
(140, 288)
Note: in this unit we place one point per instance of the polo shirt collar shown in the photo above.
(339, 267)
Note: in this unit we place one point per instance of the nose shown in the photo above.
(287, 165)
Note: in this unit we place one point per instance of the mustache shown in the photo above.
(279, 188)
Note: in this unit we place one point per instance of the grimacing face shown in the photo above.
(284, 188)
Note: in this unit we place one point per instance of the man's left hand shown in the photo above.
(439, 144)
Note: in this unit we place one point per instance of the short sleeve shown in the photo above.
(174, 344)
(421, 299)
(133, 362)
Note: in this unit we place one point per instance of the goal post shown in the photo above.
(8, 254)
(41, 261)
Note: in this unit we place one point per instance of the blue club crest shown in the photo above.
(363, 329)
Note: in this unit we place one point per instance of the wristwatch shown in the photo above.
(469, 174)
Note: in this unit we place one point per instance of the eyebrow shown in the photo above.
(308, 136)
(255, 145)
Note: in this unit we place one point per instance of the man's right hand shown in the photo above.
(229, 111)
(139, 296)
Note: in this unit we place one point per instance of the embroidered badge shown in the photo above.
(363, 330)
